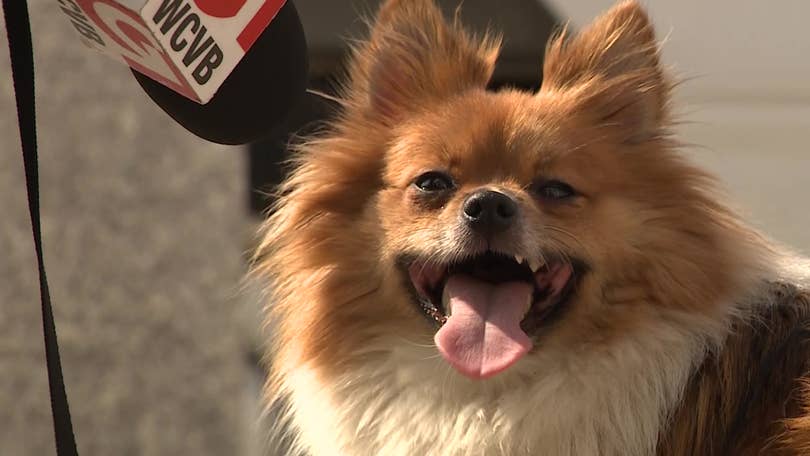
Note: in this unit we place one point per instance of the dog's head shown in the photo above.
(499, 223)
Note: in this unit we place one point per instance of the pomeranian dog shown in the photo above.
(457, 271)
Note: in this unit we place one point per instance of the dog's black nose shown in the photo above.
(489, 212)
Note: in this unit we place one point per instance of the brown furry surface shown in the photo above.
(797, 428)
(746, 400)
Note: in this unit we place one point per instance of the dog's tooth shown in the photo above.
(519, 259)
(535, 264)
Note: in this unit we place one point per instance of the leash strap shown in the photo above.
(18, 29)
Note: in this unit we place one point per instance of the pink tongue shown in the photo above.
(482, 336)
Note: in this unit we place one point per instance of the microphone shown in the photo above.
(226, 70)
(258, 93)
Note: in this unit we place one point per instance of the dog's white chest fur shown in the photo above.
(408, 401)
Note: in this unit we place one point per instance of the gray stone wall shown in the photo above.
(145, 229)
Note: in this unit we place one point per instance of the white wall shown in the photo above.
(747, 99)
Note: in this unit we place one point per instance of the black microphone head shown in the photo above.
(258, 93)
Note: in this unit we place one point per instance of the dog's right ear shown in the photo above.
(414, 56)
(613, 67)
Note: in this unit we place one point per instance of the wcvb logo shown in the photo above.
(220, 8)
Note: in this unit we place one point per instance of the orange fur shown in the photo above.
(658, 244)
(796, 435)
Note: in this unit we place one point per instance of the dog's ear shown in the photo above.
(613, 68)
(414, 56)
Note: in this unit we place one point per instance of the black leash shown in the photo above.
(18, 29)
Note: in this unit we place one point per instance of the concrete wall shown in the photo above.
(144, 230)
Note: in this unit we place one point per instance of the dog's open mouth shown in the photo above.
(489, 306)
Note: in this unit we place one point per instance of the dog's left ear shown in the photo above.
(415, 56)
(612, 68)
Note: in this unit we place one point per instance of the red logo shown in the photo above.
(220, 8)
(134, 41)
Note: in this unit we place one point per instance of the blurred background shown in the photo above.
(147, 228)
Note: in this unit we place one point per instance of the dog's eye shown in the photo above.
(433, 181)
(554, 190)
